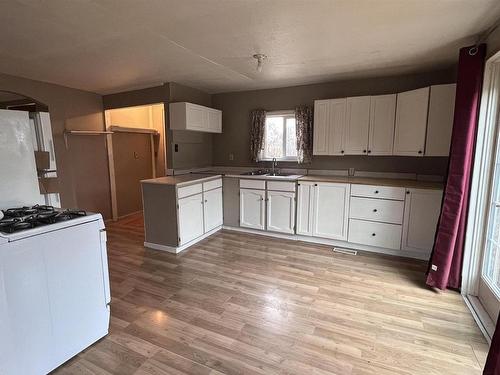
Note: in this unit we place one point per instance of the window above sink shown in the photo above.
(280, 138)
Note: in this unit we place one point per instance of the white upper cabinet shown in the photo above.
(440, 120)
(411, 122)
(330, 211)
(189, 116)
(329, 126)
(321, 125)
(382, 115)
(281, 211)
(357, 125)
(421, 215)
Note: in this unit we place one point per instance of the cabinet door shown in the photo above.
(331, 207)
(305, 205)
(190, 218)
(196, 117)
(336, 126)
(440, 122)
(281, 211)
(214, 121)
(422, 210)
(411, 122)
(321, 124)
(252, 208)
(212, 209)
(357, 125)
(382, 115)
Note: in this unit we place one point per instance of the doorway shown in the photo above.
(136, 151)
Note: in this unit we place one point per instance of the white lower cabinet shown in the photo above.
(281, 211)
(190, 218)
(422, 210)
(212, 209)
(323, 210)
(252, 208)
(375, 234)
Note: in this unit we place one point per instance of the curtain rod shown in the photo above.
(483, 37)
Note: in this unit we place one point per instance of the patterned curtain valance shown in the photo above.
(304, 130)
(257, 123)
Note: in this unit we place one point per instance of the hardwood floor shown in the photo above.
(245, 304)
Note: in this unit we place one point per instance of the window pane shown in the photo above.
(274, 138)
(291, 137)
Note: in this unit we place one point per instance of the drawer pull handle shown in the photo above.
(376, 191)
(373, 234)
(374, 210)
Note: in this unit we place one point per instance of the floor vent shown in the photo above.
(344, 251)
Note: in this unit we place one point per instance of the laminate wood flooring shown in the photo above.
(248, 304)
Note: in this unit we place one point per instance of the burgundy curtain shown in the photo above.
(445, 268)
(492, 366)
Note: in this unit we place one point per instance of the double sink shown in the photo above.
(267, 174)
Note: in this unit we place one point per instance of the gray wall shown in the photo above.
(236, 107)
(73, 110)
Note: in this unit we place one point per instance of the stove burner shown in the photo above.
(21, 218)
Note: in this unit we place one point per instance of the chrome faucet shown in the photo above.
(274, 165)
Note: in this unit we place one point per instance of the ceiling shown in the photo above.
(107, 46)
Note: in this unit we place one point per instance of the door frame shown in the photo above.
(478, 216)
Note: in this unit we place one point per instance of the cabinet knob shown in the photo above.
(315, 184)
(369, 151)
(373, 234)
(374, 210)
(407, 191)
(364, 151)
(342, 151)
(419, 151)
(376, 191)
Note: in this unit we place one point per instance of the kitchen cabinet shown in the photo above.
(329, 126)
(382, 117)
(440, 120)
(231, 201)
(178, 214)
(374, 233)
(252, 208)
(421, 215)
(281, 211)
(411, 122)
(305, 208)
(189, 116)
(357, 125)
(212, 209)
(330, 207)
(190, 218)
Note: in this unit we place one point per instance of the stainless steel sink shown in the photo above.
(259, 172)
(278, 174)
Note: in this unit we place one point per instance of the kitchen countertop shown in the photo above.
(375, 181)
(183, 179)
(291, 177)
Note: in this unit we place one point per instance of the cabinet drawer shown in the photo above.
(253, 184)
(281, 186)
(383, 210)
(375, 234)
(186, 191)
(373, 191)
(214, 184)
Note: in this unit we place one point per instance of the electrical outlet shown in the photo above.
(231, 156)
(351, 171)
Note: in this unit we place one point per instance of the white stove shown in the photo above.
(54, 287)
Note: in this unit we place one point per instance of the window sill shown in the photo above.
(280, 160)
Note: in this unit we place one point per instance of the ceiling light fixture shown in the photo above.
(260, 60)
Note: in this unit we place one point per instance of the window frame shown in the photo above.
(285, 114)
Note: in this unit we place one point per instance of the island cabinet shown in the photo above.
(179, 213)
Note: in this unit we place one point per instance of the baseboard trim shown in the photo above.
(178, 249)
(332, 242)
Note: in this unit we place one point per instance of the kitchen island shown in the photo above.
(181, 210)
